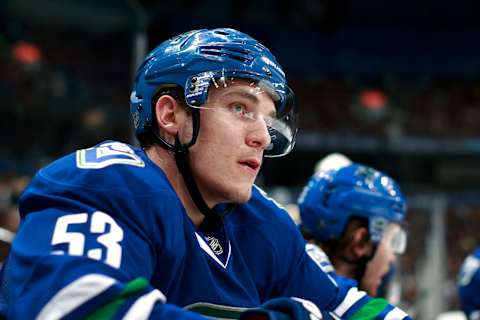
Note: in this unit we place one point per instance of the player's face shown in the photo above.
(228, 153)
(381, 262)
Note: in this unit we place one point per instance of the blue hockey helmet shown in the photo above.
(198, 59)
(332, 197)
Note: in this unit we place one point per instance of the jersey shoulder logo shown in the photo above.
(321, 260)
(319, 257)
(107, 154)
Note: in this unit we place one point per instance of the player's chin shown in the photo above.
(242, 194)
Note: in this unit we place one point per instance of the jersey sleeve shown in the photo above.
(75, 258)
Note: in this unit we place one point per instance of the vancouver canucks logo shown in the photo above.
(107, 154)
(215, 245)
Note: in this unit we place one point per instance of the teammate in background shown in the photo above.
(469, 285)
(354, 213)
(115, 231)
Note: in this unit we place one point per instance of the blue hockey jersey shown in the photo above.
(104, 235)
(469, 285)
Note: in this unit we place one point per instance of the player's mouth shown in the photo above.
(252, 165)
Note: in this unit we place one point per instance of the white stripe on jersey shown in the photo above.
(142, 308)
(334, 316)
(395, 314)
(266, 196)
(321, 260)
(352, 297)
(74, 295)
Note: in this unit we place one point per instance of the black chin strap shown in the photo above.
(213, 218)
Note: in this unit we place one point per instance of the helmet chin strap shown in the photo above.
(213, 217)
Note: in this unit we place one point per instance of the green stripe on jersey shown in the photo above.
(109, 310)
(216, 310)
(370, 310)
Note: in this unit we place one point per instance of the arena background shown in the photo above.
(394, 85)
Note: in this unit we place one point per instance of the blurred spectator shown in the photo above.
(11, 187)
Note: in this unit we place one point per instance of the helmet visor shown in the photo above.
(389, 233)
(281, 124)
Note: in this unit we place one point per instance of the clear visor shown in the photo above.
(253, 101)
(390, 234)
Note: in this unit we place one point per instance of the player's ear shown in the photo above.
(361, 244)
(169, 114)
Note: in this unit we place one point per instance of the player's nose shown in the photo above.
(258, 136)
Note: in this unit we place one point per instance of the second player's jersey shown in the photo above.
(103, 234)
(469, 285)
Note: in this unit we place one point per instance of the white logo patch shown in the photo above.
(107, 154)
(205, 247)
(215, 245)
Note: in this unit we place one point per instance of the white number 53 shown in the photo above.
(98, 225)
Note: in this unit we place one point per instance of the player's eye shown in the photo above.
(240, 110)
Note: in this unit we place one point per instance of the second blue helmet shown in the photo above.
(332, 197)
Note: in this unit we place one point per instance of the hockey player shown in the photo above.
(177, 225)
(354, 213)
(469, 285)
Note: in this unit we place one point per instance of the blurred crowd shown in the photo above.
(11, 186)
(429, 108)
(58, 94)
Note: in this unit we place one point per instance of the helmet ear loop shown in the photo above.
(374, 251)
(195, 128)
(164, 143)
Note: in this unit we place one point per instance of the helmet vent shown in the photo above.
(223, 33)
(222, 51)
(328, 193)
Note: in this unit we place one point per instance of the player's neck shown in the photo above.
(166, 161)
